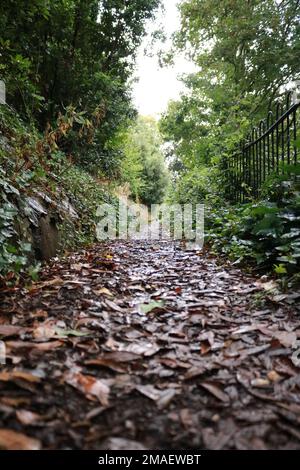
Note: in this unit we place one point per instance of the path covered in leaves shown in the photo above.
(148, 346)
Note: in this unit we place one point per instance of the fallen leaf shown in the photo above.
(108, 363)
(90, 386)
(10, 330)
(64, 333)
(113, 306)
(6, 376)
(27, 418)
(44, 332)
(215, 390)
(260, 383)
(287, 339)
(57, 281)
(12, 345)
(174, 364)
(161, 397)
(205, 347)
(268, 286)
(119, 443)
(12, 440)
(121, 356)
(103, 291)
(194, 372)
(148, 307)
(274, 376)
(12, 401)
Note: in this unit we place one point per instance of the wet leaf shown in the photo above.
(162, 397)
(148, 307)
(107, 363)
(7, 331)
(103, 291)
(287, 339)
(215, 390)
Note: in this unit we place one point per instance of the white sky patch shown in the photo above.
(156, 85)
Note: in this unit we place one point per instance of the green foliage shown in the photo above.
(13, 251)
(85, 194)
(245, 53)
(193, 186)
(30, 163)
(254, 43)
(144, 166)
(58, 53)
(266, 233)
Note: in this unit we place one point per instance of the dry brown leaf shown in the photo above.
(260, 383)
(103, 291)
(90, 386)
(194, 372)
(121, 356)
(57, 281)
(142, 348)
(8, 376)
(113, 306)
(12, 401)
(174, 364)
(11, 330)
(274, 376)
(44, 332)
(12, 345)
(108, 363)
(28, 418)
(12, 440)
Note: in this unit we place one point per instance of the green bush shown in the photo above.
(28, 165)
(193, 186)
(264, 233)
(143, 166)
(85, 195)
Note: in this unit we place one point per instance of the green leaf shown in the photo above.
(280, 269)
(146, 308)
(61, 333)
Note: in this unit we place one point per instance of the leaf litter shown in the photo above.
(135, 345)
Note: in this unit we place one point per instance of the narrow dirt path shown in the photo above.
(141, 345)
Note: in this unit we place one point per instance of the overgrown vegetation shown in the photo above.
(247, 54)
(70, 129)
(32, 165)
(73, 52)
(264, 233)
(143, 166)
(67, 66)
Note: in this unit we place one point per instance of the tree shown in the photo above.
(254, 44)
(73, 52)
(247, 52)
(144, 166)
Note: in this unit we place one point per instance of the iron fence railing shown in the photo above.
(266, 150)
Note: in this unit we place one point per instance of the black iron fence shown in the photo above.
(268, 149)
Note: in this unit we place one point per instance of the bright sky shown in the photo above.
(156, 85)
